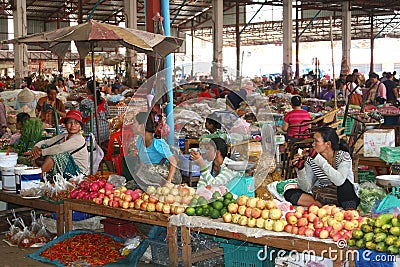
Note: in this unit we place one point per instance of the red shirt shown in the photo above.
(205, 94)
(296, 117)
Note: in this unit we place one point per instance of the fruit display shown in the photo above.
(214, 208)
(328, 221)
(255, 212)
(380, 234)
(104, 193)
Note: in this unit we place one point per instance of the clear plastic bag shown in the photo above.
(130, 245)
(35, 226)
(116, 180)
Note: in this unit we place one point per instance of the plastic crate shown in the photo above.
(76, 216)
(389, 154)
(242, 186)
(120, 228)
(349, 125)
(366, 176)
(249, 255)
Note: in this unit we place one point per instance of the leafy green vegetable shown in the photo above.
(31, 133)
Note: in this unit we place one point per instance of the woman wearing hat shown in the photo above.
(65, 153)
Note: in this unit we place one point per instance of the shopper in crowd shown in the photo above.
(328, 93)
(376, 93)
(152, 150)
(295, 117)
(21, 119)
(216, 173)
(356, 97)
(204, 92)
(65, 153)
(44, 106)
(99, 115)
(3, 119)
(324, 172)
(291, 89)
(60, 85)
(212, 123)
(392, 92)
(71, 82)
(235, 98)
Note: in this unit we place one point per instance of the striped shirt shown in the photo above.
(318, 172)
(224, 176)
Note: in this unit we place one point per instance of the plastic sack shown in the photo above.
(130, 244)
(369, 194)
(117, 180)
(98, 155)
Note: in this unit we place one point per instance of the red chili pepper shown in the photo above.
(96, 249)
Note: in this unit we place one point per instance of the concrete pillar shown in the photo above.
(131, 55)
(153, 7)
(218, 26)
(287, 40)
(20, 50)
(346, 38)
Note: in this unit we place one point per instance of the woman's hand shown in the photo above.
(197, 158)
(34, 154)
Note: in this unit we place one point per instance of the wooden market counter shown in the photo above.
(37, 204)
(151, 218)
(280, 242)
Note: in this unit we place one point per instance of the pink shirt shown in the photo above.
(296, 117)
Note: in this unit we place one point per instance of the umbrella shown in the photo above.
(93, 34)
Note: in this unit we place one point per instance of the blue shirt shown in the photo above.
(154, 153)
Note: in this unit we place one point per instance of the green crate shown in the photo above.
(349, 124)
(366, 176)
(249, 255)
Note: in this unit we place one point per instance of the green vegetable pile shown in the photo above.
(32, 132)
(369, 193)
(381, 234)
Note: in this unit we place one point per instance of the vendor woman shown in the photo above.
(153, 150)
(216, 173)
(324, 173)
(65, 153)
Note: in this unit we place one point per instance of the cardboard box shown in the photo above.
(374, 139)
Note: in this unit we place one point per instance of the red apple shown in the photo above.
(332, 233)
(335, 210)
(143, 206)
(295, 230)
(227, 217)
(292, 219)
(99, 200)
(349, 226)
(242, 200)
(288, 228)
(110, 203)
(324, 234)
(317, 232)
(128, 198)
(298, 214)
(313, 209)
(339, 216)
(336, 237)
(145, 197)
(322, 213)
(302, 230)
(247, 212)
(108, 192)
(348, 215)
(115, 204)
(337, 226)
(153, 199)
(159, 206)
(302, 222)
(233, 208)
(318, 223)
(300, 209)
(309, 232)
(311, 217)
(255, 213)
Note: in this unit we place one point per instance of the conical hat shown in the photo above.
(26, 96)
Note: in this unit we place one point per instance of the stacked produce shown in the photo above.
(381, 234)
(255, 212)
(104, 193)
(168, 199)
(216, 207)
(328, 221)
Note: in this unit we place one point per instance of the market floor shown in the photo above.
(15, 257)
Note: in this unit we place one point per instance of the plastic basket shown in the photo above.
(247, 255)
(365, 176)
(389, 154)
(76, 216)
(349, 124)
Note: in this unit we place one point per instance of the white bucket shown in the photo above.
(17, 169)
(8, 179)
(30, 177)
(8, 160)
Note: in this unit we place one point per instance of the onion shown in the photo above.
(151, 190)
(174, 191)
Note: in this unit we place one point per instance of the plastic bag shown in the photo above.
(35, 226)
(369, 194)
(130, 244)
(116, 180)
(43, 236)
